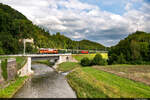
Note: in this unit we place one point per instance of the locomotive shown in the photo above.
(56, 51)
(84, 51)
(48, 51)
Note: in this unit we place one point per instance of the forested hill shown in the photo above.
(135, 49)
(15, 26)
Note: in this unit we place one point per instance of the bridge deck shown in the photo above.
(40, 55)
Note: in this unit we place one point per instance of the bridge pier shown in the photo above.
(26, 69)
(29, 65)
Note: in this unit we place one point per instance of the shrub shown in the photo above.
(85, 61)
(4, 69)
(98, 60)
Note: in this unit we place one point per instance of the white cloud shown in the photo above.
(81, 20)
(128, 6)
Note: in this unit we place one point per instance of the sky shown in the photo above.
(102, 21)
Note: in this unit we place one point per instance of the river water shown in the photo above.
(45, 83)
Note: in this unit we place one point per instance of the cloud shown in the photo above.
(128, 6)
(80, 20)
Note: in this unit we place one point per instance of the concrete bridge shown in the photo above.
(56, 58)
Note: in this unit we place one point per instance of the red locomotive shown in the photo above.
(48, 51)
(84, 51)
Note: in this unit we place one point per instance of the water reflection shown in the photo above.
(45, 83)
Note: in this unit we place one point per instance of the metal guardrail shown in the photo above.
(34, 55)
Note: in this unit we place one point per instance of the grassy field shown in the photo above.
(135, 72)
(67, 66)
(9, 91)
(78, 57)
(92, 83)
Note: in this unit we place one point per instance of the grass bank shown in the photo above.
(67, 66)
(84, 85)
(92, 83)
(13, 87)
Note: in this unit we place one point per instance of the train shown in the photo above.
(56, 51)
(48, 51)
(84, 51)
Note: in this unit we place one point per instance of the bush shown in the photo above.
(98, 60)
(85, 61)
(4, 69)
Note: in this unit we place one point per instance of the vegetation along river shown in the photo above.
(45, 83)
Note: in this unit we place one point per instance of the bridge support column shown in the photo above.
(29, 65)
(26, 69)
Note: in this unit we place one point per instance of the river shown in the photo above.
(45, 83)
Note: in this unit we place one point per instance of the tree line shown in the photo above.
(15, 26)
(134, 49)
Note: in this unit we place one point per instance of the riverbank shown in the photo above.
(89, 82)
(67, 66)
(13, 87)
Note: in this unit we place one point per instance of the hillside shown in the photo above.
(15, 26)
(86, 44)
(134, 49)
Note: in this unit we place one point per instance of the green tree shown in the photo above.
(121, 59)
(85, 61)
(135, 50)
(98, 60)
